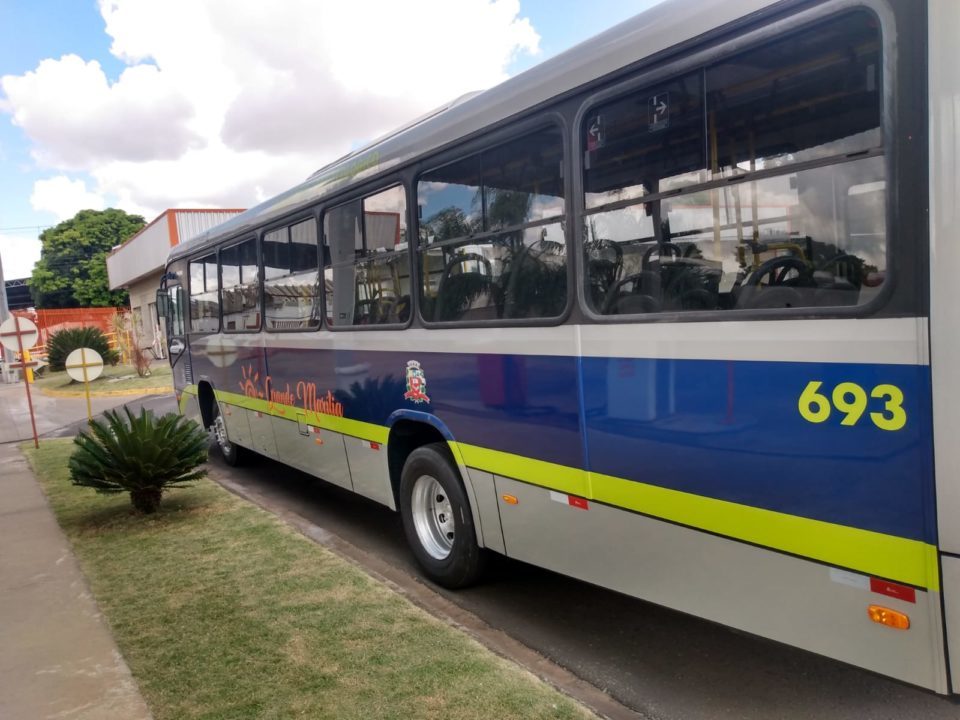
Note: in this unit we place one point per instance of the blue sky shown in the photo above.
(46, 170)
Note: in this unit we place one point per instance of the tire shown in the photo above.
(232, 453)
(437, 519)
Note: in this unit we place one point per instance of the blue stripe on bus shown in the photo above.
(733, 431)
(729, 430)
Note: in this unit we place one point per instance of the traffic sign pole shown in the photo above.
(86, 383)
(18, 332)
(90, 364)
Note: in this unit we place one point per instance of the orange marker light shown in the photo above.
(888, 617)
(510, 499)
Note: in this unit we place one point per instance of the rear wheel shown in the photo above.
(437, 519)
(232, 454)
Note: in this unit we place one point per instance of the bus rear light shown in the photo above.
(888, 617)
(510, 499)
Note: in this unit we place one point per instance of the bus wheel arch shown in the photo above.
(429, 487)
(437, 518)
(207, 400)
(213, 420)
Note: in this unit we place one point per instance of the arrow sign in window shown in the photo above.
(659, 107)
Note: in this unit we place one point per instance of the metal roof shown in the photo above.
(658, 29)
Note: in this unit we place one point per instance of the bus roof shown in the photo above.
(659, 28)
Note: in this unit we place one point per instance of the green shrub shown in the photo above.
(65, 342)
(140, 454)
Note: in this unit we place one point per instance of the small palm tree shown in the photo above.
(140, 454)
(64, 342)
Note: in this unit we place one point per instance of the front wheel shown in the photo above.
(437, 520)
(232, 454)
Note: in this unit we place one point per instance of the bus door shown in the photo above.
(170, 305)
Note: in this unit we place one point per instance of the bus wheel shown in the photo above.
(436, 518)
(231, 453)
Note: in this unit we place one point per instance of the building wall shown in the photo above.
(143, 299)
(147, 250)
(191, 223)
(138, 264)
(142, 254)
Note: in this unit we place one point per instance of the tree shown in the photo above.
(72, 271)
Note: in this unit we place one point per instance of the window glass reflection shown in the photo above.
(506, 258)
(648, 142)
(450, 201)
(204, 298)
(367, 279)
(803, 97)
(812, 238)
(291, 278)
(240, 295)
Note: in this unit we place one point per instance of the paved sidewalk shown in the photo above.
(57, 656)
(51, 413)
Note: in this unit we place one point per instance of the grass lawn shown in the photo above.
(222, 611)
(117, 377)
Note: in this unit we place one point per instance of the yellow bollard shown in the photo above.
(27, 371)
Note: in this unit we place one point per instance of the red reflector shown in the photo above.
(900, 592)
(578, 502)
(374, 446)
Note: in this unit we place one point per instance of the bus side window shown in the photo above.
(367, 281)
(492, 242)
(786, 229)
(204, 295)
(291, 289)
(240, 291)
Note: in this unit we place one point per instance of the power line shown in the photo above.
(25, 227)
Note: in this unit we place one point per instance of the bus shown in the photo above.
(672, 313)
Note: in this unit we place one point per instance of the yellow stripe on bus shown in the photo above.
(345, 426)
(887, 556)
(539, 472)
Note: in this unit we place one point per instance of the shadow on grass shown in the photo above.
(117, 513)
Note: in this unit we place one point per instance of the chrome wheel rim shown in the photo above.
(433, 517)
(220, 432)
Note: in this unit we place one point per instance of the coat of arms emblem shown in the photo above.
(416, 384)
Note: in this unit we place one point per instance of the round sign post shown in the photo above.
(19, 335)
(83, 365)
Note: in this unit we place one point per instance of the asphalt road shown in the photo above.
(663, 664)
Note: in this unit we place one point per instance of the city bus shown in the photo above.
(671, 313)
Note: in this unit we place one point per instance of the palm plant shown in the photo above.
(140, 454)
(64, 342)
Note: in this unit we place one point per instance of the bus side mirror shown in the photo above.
(163, 304)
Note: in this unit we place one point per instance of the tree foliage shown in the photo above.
(72, 271)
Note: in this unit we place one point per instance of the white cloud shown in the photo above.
(18, 253)
(64, 197)
(213, 177)
(226, 103)
(76, 119)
